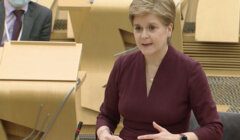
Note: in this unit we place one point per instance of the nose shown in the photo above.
(145, 34)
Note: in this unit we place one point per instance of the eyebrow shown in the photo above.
(148, 24)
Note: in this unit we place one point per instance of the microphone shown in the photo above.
(78, 130)
(56, 114)
(36, 123)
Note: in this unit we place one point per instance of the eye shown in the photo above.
(151, 28)
(137, 28)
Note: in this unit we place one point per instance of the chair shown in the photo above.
(231, 124)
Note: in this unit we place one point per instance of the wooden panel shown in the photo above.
(16, 130)
(223, 108)
(78, 11)
(69, 27)
(223, 72)
(28, 105)
(184, 9)
(191, 10)
(40, 61)
(214, 24)
(43, 105)
(99, 32)
(3, 135)
(177, 39)
(20, 103)
(73, 4)
(1, 50)
(54, 12)
(215, 57)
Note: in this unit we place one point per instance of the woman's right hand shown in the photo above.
(104, 134)
(108, 136)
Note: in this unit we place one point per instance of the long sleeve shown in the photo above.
(179, 86)
(46, 28)
(203, 106)
(109, 114)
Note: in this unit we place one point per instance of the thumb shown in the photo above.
(158, 127)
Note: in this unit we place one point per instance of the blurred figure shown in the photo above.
(155, 88)
(24, 20)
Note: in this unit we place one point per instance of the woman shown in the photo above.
(155, 88)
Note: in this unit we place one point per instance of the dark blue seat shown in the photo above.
(231, 123)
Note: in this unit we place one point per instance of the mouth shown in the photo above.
(146, 44)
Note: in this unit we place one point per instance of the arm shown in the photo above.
(164, 134)
(104, 133)
(191, 136)
(203, 106)
(109, 117)
(46, 29)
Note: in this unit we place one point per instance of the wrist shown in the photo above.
(183, 137)
(177, 137)
(103, 131)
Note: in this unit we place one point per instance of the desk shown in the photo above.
(35, 78)
(1, 50)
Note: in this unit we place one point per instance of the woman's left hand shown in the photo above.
(162, 135)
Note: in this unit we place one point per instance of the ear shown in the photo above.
(170, 29)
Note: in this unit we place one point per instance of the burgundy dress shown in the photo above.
(180, 85)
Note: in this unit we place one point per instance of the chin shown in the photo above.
(147, 52)
(150, 50)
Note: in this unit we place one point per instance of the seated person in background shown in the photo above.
(24, 20)
(155, 89)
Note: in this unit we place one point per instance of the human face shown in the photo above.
(150, 34)
(18, 3)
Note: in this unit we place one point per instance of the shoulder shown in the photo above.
(123, 64)
(180, 63)
(39, 8)
(128, 59)
(1, 4)
(182, 59)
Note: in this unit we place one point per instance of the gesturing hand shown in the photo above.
(162, 135)
(107, 136)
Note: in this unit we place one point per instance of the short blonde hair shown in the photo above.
(164, 9)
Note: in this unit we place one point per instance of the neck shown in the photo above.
(156, 58)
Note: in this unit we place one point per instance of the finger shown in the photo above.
(111, 137)
(116, 138)
(158, 127)
(150, 136)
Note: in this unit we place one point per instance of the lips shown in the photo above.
(146, 44)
